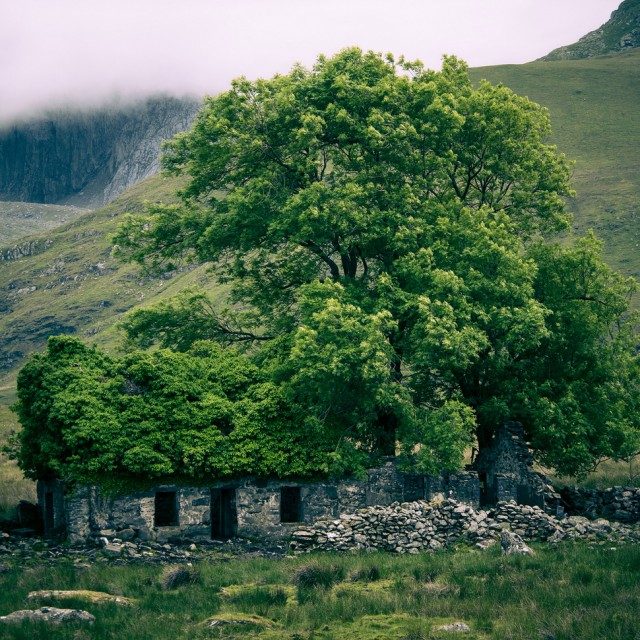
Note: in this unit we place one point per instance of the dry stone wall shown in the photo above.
(617, 503)
(418, 526)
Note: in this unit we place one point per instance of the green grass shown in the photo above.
(566, 592)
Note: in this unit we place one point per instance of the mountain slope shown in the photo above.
(68, 281)
(620, 33)
(595, 119)
(19, 219)
(87, 158)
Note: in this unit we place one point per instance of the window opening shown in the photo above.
(290, 504)
(166, 509)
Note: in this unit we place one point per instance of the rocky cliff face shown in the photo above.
(87, 158)
(620, 33)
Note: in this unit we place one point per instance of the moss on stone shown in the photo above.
(81, 595)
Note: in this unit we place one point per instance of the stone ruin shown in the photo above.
(274, 509)
(505, 471)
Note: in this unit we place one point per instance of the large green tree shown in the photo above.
(382, 227)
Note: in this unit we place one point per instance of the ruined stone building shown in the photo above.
(254, 508)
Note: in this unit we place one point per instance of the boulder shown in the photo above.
(454, 627)
(126, 535)
(112, 549)
(50, 615)
(513, 544)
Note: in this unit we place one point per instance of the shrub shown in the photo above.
(311, 577)
(315, 575)
(174, 577)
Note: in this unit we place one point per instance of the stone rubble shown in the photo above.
(412, 527)
(24, 552)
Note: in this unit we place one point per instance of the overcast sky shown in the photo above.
(86, 51)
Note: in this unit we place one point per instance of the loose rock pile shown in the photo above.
(14, 549)
(412, 527)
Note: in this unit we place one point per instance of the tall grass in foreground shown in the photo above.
(568, 592)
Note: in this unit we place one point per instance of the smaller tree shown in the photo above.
(205, 413)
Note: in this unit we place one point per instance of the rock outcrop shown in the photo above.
(620, 33)
(49, 615)
(87, 158)
(91, 597)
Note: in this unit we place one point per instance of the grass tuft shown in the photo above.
(178, 576)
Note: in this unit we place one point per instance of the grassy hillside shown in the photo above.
(564, 592)
(74, 285)
(18, 219)
(596, 121)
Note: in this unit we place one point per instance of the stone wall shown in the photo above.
(463, 487)
(617, 503)
(88, 512)
(505, 470)
(418, 526)
(258, 506)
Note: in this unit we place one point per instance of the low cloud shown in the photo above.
(86, 52)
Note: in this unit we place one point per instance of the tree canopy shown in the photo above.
(386, 233)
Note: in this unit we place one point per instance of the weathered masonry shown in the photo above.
(248, 508)
(253, 508)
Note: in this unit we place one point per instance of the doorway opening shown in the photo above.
(49, 513)
(224, 521)
(487, 489)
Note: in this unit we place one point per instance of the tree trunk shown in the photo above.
(387, 420)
